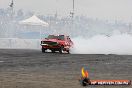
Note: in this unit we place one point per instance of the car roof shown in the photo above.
(60, 35)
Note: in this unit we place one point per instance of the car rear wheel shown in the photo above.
(68, 51)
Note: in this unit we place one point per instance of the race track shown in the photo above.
(32, 69)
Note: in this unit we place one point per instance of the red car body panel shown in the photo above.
(57, 42)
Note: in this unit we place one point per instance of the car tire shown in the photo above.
(61, 49)
(43, 50)
(68, 51)
(53, 51)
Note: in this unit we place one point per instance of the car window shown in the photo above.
(60, 37)
(52, 37)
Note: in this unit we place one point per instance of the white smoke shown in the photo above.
(100, 44)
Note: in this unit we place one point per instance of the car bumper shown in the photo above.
(50, 46)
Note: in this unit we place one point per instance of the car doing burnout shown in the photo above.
(57, 43)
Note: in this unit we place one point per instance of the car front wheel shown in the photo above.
(53, 51)
(61, 49)
(43, 50)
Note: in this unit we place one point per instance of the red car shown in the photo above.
(57, 43)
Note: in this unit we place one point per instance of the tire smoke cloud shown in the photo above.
(100, 44)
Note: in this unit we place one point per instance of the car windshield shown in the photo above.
(60, 37)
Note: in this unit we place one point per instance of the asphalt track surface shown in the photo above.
(32, 69)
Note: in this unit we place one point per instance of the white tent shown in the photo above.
(34, 20)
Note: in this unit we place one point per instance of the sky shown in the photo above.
(102, 9)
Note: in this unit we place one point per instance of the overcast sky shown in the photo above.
(103, 9)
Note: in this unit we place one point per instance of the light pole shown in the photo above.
(73, 6)
(11, 31)
(73, 10)
(12, 7)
